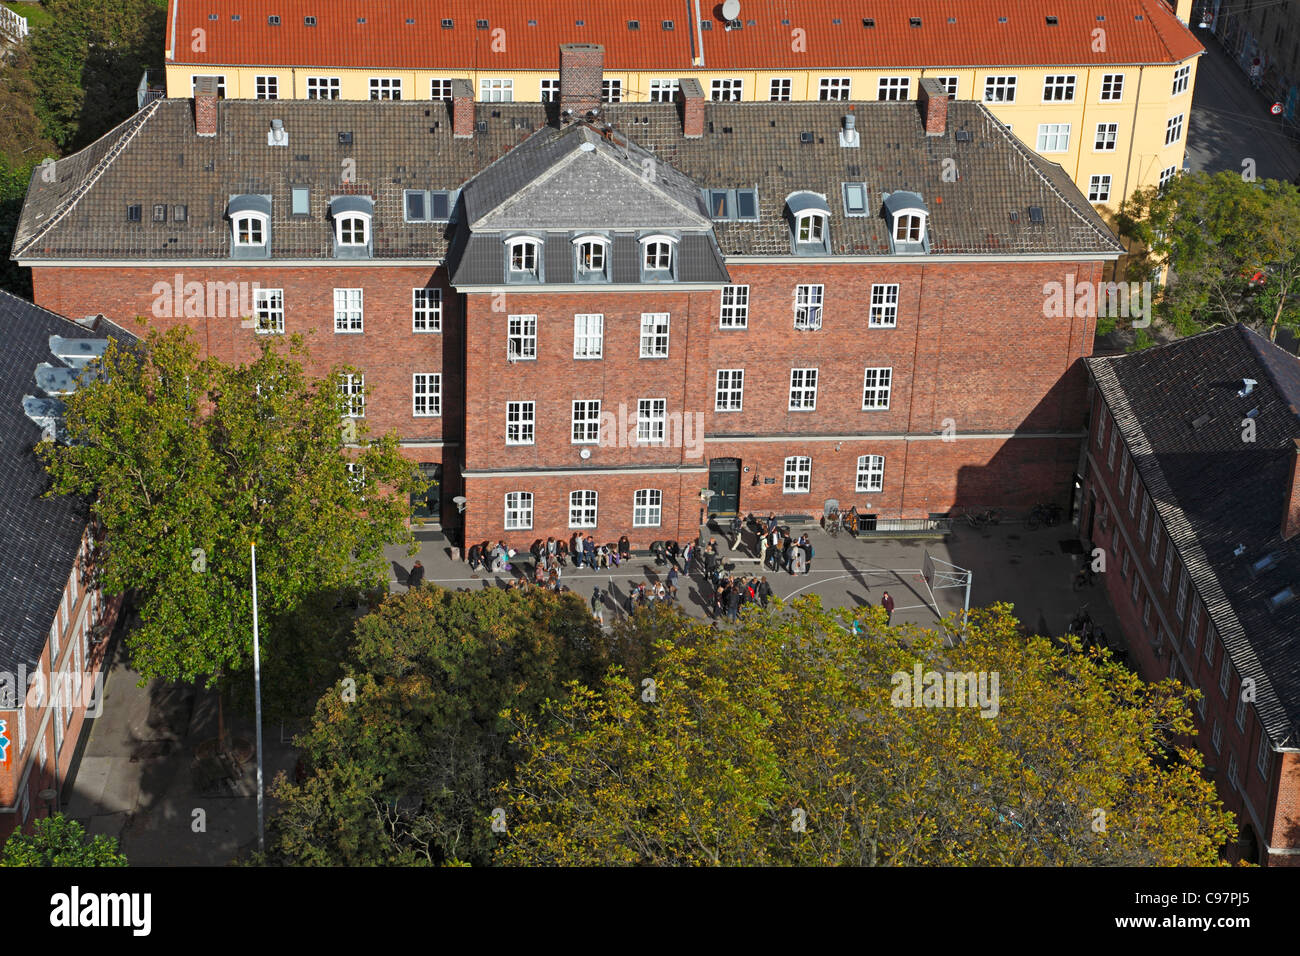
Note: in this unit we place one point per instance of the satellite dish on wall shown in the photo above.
(731, 10)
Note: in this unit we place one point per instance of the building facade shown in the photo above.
(57, 618)
(582, 321)
(1193, 496)
(1103, 89)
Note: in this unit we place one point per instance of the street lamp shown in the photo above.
(48, 795)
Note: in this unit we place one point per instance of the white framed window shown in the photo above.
(221, 84)
(1211, 635)
(654, 334)
(1133, 592)
(871, 473)
(521, 423)
(1107, 135)
(651, 418)
(1058, 88)
(1168, 575)
(1155, 544)
(521, 337)
(1263, 757)
(353, 388)
(586, 422)
(999, 89)
(57, 629)
(735, 307)
(519, 510)
(1101, 429)
(1099, 188)
(1112, 87)
(647, 508)
(908, 227)
(876, 385)
(357, 477)
(1128, 561)
(1225, 672)
(550, 88)
(798, 475)
(1194, 624)
(1240, 717)
(1133, 496)
(1180, 607)
(426, 394)
(352, 229)
(1216, 737)
(663, 91)
(727, 90)
(496, 90)
(948, 84)
(267, 87)
(249, 229)
(349, 315)
(855, 199)
(893, 88)
(810, 226)
(522, 258)
(323, 88)
(1233, 776)
(426, 310)
(1114, 448)
(611, 91)
(588, 335)
(593, 256)
(1053, 137)
(779, 90)
(582, 509)
(808, 306)
(440, 89)
(385, 88)
(1123, 471)
(884, 306)
(1146, 520)
(268, 309)
(1174, 129)
(1146, 611)
(731, 390)
(803, 389)
(834, 88)
(657, 256)
(1182, 79)
(1167, 175)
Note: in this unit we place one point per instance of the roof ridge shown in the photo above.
(136, 123)
(59, 315)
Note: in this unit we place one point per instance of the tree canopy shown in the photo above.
(1230, 247)
(190, 460)
(59, 841)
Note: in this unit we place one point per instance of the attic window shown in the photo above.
(634, 24)
(273, 21)
(706, 24)
(301, 201)
(410, 21)
(179, 213)
(908, 227)
(747, 204)
(523, 260)
(1002, 19)
(658, 258)
(914, 21)
(448, 24)
(667, 24)
(133, 213)
(481, 24)
(1052, 21)
(160, 212)
(964, 136)
(868, 22)
(1281, 597)
(855, 199)
(1264, 563)
(806, 137)
(361, 19)
(212, 16)
(591, 258)
(345, 139)
(309, 21)
(810, 220)
(1036, 214)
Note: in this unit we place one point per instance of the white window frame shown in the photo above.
(385, 87)
(1239, 718)
(803, 390)
(518, 510)
(1112, 88)
(1174, 129)
(521, 332)
(893, 89)
(583, 510)
(588, 335)
(585, 422)
(1059, 87)
(268, 311)
(1234, 776)
(949, 84)
(1211, 635)
(1053, 137)
(549, 89)
(496, 89)
(870, 474)
(883, 311)
(352, 229)
(655, 332)
(1166, 578)
(797, 475)
(1167, 175)
(727, 90)
(599, 248)
(353, 385)
(324, 88)
(426, 389)
(809, 304)
(1000, 89)
(664, 91)
(266, 87)
(729, 393)
(522, 249)
(1263, 757)
(657, 255)
(1099, 188)
(647, 504)
(426, 309)
(611, 90)
(349, 311)
(440, 89)
(651, 420)
(734, 312)
(1194, 622)
(877, 384)
(1106, 139)
(835, 88)
(780, 89)
(909, 226)
(1180, 606)
(1216, 736)
(521, 423)
(1182, 81)
(810, 226)
(250, 229)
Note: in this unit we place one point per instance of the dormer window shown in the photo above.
(523, 260)
(591, 258)
(658, 258)
(250, 226)
(810, 223)
(353, 217)
(811, 227)
(907, 216)
(908, 228)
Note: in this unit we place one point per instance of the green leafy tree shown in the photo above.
(190, 461)
(399, 765)
(59, 841)
(784, 740)
(1229, 245)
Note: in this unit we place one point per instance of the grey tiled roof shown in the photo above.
(39, 537)
(156, 158)
(481, 261)
(1217, 493)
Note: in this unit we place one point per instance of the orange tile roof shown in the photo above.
(407, 34)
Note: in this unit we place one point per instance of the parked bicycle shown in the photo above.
(981, 519)
(831, 522)
(1047, 515)
(1085, 577)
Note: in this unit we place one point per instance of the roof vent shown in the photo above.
(1200, 421)
(914, 21)
(277, 135)
(345, 139)
(1239, 550)
(1247, 386)
(273, 21)
(868, 22)
(1052, 21)
(1036, 214)
(964, 136)
(447, 24)
(805, 137)
(849, 134)
(309, 21)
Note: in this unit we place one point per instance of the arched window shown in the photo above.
(353, 229)
(657, 256)
(909, 227)
(352, 225)
(250, 229)
(250, 225)
(591, 258)
(810, 227)
(809, 222)
(522, 258)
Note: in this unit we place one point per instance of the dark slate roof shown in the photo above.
(39, 537)
(482, 261)
(1216, 492)
(156, 158)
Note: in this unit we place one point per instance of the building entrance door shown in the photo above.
(724, 482)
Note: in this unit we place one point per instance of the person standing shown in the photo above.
(887, 603)
(416, 576)
(735, 531)
(672, 582)
(733, 602)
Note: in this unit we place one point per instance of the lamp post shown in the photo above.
(48, 795)
(705, 496)
(257, 704)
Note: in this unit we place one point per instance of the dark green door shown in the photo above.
(724, 482)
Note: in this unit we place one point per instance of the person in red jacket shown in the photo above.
(887, 603)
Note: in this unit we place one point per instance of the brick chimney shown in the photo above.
(582, 67)
(1291, 517)
(205, 105)
(933, 101)
(690, 95)
(462, 109)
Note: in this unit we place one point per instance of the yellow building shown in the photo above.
(1104, 88)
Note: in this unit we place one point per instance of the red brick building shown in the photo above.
(581, 316)
(1193, 492)
(56, 617)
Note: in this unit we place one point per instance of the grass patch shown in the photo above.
(36, 14)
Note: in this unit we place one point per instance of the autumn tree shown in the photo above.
(790, 739)
(190, 460)
(60, 841)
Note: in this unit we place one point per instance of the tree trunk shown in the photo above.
(221, 716)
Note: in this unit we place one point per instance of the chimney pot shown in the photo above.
(693, 105)
(933, 101)
(462, 109)
(582, 68)
(205, 105)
